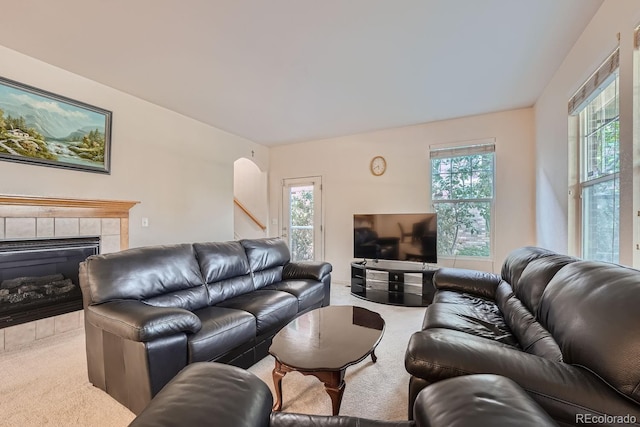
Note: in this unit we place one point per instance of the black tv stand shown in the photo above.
(393, 289)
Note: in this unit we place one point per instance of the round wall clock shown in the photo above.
(378, 165)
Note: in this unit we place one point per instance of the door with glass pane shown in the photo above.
(302, 218)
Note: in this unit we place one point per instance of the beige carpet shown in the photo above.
(46, 383)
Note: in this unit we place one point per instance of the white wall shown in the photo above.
(250, 188)
(179, 169)
(551, 123)
(350, 188)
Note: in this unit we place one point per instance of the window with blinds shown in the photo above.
(597, 106)
(462, 194)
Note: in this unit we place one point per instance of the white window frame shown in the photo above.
(578, 181)
(460, 149)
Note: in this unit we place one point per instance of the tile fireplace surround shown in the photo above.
(24, 217)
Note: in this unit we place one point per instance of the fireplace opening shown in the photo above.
(39, 277)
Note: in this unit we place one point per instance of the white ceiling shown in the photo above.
(282, 71)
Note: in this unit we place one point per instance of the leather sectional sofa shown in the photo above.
(151, 311)
(567, 331)
(211, 394)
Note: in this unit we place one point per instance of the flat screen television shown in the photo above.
(401, 237)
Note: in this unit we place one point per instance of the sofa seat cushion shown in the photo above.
(272, 309)
(308, 292)
(485, 322)
(222, 330)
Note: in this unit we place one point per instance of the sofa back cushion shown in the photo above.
(532, 337)
(517, 260)
(266, 258)
(591, 309)
(529, 271)
(225, 269)
(536, 276)
(167, 276)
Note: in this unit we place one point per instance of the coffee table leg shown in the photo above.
(335, 393)
(333, 385)
(278, 374)
(374, 358)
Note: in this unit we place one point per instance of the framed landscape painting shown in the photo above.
(42, 128)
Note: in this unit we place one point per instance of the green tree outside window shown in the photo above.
(301, 227)
(462, 196)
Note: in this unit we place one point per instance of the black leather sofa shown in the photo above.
(565, 330)
(151, 311)
(211, 394)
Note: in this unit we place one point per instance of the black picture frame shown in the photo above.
(41, 128)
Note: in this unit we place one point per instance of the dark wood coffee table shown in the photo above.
(323, 343)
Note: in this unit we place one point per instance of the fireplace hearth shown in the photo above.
(39, 277)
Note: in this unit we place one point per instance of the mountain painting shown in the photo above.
(42, 128)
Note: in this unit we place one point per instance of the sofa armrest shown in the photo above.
(209, 394)
(315, 270)
(136, 321)
(488, 400)
(470, 281)
(564, 391)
